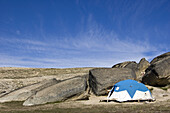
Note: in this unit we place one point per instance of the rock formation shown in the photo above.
(138, 68)
(23, 93)
(160, 57)
(103, 78)
(128, 64)
(141, 67)
(158, 73)
(58, 92)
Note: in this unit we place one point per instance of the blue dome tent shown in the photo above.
(128, 90)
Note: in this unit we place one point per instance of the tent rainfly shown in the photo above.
(129, 90)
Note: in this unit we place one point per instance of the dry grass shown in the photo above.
(18, 73)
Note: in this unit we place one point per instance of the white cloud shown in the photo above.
(97, 39)
(86, 51)
(45, 62)
(23, 41)
(95, 47)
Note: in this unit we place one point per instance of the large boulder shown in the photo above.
(138, 68)
(25, 92)
(129, 64)
(158, 73)
(59, 92)
(141, 67)
(160, 57)
(101, 79)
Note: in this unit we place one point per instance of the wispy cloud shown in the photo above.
(96, 47)
(22, 41)
(98, 39)
(93, 46)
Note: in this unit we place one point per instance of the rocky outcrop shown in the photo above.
(10, 85)
(160, 57)
(143, 64)
(59, 92)
(25, 92)
(19, 81)
(158, 73)
(101, 79)
(138, 68)
(141, 67)
(128, 64)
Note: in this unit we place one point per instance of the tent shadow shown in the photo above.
(149, 100)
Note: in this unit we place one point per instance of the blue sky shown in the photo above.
(82, 33)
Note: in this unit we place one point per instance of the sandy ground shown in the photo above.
(93, 105)
(162, 97)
